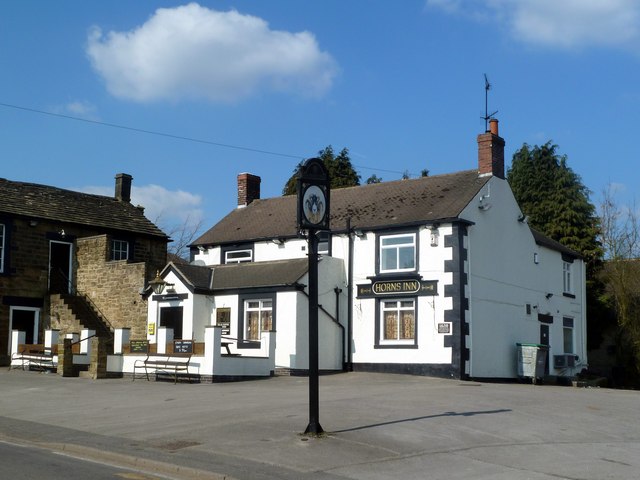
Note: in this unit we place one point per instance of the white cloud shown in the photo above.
(195, 52)
(565, 24)
(577, 23)
(79, 109)
(165, 208)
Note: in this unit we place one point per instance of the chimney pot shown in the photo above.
(493, 126)
(123, 187)
(248, 189)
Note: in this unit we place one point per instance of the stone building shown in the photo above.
(71, 260)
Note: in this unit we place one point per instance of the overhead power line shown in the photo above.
(177, 137)
(151, 132)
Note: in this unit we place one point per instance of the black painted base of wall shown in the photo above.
(302, 372)
(423, 369)
(193, 378)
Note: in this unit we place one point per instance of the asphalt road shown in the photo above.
(378, 426)
(21, 462)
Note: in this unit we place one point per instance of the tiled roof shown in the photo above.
(259, 274)
(51, 203)
(401, 202)
(277, 273)
(545, 241)
(196, 276)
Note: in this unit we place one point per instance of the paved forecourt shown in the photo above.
(378, 426)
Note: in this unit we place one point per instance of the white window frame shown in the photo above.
(117, 248)
(397, 247)
(260, 306)
(400, 306)
(568, 332)
(247, 256)
(3, 235)
(567, 279)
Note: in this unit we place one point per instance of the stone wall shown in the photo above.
(26, 276)
(114, 286)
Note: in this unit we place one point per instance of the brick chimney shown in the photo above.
(248, 189)
(491, 152)
(123, 187)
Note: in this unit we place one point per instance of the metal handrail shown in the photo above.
(82, 340)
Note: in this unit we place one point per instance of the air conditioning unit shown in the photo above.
(564, 361)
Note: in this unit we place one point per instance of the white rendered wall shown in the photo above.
(430, 309)
(503, 278)
(292, 347)
(205, 257)
(203, 315)
(267, 251)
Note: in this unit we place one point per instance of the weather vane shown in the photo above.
(487, 116)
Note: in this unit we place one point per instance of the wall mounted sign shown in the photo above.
(139, 346)
(151, 329)
(444, 328)
(183, 346)
(388, 288)
(168, 297)
(223, 320)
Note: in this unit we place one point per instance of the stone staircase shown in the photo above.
(76, 310)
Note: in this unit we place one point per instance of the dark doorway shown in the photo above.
(171, 317)
(60, 267)
(544, 340)
(25, 321)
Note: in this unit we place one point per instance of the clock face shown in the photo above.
(314, 205)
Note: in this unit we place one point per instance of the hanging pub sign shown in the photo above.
(387, 288)
(313, 196)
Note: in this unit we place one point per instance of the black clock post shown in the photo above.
(313, 216)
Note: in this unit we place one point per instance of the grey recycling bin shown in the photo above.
(532, 360)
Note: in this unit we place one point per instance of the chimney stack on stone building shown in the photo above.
(248, 189)
(491, 152)
(123, 187)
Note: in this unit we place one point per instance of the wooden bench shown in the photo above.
(33, 356)
(166, 363)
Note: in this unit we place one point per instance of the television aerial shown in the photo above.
(487, 116)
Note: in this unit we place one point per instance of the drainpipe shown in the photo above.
(350, 298)
(338, 291)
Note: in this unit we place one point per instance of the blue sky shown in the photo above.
(263, 84)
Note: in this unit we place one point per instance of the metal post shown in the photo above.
(314, 388)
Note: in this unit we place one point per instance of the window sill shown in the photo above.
(396, 345)
(248, 344)
(568, 295)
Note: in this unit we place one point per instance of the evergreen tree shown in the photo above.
(341, 171)
(552, 195)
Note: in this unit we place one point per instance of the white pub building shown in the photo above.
(437, 275)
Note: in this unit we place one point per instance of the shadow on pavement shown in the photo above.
(445, 414)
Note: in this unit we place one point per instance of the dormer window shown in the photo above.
(238, 256)
(398, 253)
